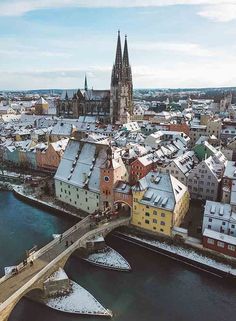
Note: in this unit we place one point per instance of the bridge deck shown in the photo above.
(11, 285)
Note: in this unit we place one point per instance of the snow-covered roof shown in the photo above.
(60, 145)
(161, 190)
(81, 164)
(62, 129)
(185, 162)
(41, 101)
(217, 210)
(219, 236)
(230, 170)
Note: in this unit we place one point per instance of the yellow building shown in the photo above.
(160, 202)
(41, 107)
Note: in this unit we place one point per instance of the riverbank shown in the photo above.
(19, 193)
(202, 261)
(186, 256)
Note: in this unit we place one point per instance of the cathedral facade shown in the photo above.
(109, 106)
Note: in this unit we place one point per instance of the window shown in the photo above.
(154, 212)
(65, 191)
(147, 206)
(163, 214)
(220, 244)
(210, 219)
(209, 227)
(210, 241)
(232, 226)
(147, 214)
(161, 230)
(163, 223)
(78, 196)
(231, 247)
(154, 227)
(147, 221)
(155, 220)
(60, 183)
(223, 223)
(86, 200)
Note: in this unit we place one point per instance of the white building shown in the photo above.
(219, 217)
(205, 178)
(181, 166)
(77, 180)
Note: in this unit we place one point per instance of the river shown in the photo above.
(157, 289)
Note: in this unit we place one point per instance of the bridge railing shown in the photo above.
(68, 251)
(107, 227)
(46, 248)
(74, 228)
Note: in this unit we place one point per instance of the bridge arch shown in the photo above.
(34, 292)
(123, 207)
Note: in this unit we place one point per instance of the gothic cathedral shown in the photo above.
(108, 106)
(121, 94)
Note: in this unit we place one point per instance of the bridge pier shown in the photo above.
(32, 277)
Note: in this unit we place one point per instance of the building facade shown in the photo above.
(160, 202)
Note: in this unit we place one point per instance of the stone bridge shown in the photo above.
(54, 255)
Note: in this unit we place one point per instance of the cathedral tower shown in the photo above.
(121, 95)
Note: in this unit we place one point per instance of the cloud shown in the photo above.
(20, 7)
(91, 71)
(191, 49)
(221, 13)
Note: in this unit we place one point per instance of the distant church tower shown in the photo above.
(121, 104)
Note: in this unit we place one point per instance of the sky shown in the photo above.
(172, 43)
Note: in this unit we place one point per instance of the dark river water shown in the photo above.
(157, 289)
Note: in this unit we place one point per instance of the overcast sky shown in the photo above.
(172, 43)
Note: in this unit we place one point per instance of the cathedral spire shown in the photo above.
(85, 83)
(126, 54)
(118, 61)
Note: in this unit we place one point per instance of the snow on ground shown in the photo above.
(58, 275)
(20, 190)
(9, 269)
(79, 301)
(55, 236)
(190, 254)
(109, 258)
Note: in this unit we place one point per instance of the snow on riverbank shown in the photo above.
(109, 258)
(79, 301)
(20, 190)
(186, 253)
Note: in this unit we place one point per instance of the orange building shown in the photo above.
(179, 128)
(49, 156)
